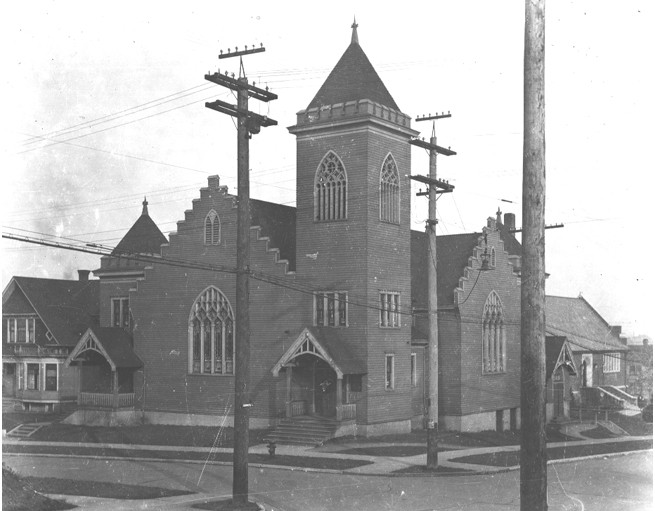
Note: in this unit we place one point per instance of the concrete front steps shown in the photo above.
(303, 430)
(25, 430)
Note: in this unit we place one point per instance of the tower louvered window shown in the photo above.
(389, 191)
(493, 335)
(212, 228)
(211, 334)
(330, 190)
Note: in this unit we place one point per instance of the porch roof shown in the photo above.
(113, 343)
(326, 345)
(558, 353)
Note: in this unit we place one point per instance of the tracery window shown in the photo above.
(211, 334)
(212, 228)
(493, 335)
(389, 191)
(330, 189)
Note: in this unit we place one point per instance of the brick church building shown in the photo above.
(338, 294)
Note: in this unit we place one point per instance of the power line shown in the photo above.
(117, 115)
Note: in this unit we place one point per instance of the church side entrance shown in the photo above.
(315, 383)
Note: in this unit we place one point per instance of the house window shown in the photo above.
(330, 189)
(20, 330)
(331, 308)
(212, 228)
(51, 376)
(32, 376)
(389, 375)
(412, 369)
(389, 310)
(611, 363)
(493, 335)
(211, 334)
(120, 312)
(389, 192)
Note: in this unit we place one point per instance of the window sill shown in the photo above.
(494, 373)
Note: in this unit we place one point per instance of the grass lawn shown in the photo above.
(100, 489)
(511, 459)
(19, 495)
(195, 436)
(181, 455)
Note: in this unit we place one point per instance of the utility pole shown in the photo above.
(248, 123)
(435, 186)
(533, 482)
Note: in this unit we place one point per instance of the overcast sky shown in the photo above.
(105, 104)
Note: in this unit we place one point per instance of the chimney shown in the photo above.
(83, 275)
(645, 342)
(510, 221)
(616, 330)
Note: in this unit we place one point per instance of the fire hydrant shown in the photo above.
(271, 448)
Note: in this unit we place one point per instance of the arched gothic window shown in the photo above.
(389, 191)
(493, 335)
(330, 189)
(211, 334)
(212, 228)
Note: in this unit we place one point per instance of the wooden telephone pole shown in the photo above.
(249, 123)
(533, 482)
(435, 186)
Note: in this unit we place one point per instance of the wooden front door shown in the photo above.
(325, 386)
(9, 380)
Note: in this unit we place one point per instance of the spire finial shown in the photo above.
(354, 26)
(145, 206)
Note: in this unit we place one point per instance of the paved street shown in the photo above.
(612, 483)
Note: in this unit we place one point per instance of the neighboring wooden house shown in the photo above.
(43, 319)
(598, 353)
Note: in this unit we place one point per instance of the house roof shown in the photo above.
(578, 321)
(66, 307)
(353, 79)
(278, 222)
(144, 237)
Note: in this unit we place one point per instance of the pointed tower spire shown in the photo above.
(145, 207)
(355, 39)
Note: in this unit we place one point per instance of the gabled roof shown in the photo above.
(278, 222)
(453, 252)
(578, 321)
(66, 307)
(144, 237)
(353, 79)
(113, 343)
(326, 345)
(558, 353)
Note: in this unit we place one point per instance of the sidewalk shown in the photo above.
(312, 459)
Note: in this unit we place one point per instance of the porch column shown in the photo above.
(289, 369)
(339, 397)
(114, 378)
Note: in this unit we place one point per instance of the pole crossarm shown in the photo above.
(554, 226)
(235, 84)
(237, 53)
(437, 183)
(233, 110)
(433, 117)
(433, 147)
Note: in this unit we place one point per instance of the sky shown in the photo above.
(105, 105)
